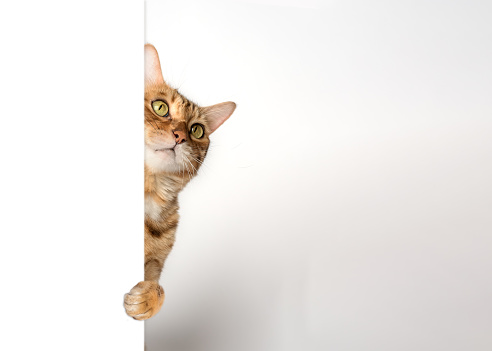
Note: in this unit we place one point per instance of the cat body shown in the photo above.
(176, 143)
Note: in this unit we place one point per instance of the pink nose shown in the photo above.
(180, 136)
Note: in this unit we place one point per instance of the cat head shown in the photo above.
(177, 130)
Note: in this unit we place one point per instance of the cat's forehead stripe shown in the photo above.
(174, 96)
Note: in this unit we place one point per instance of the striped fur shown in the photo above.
(167, 171)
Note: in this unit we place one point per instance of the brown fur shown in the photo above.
(162, 184)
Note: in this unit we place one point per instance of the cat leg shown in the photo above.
(146, 298)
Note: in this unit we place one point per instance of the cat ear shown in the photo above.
(218, 114)
(153, 73)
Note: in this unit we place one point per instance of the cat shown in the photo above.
(176, 142)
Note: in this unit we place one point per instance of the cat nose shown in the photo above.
(180, 136)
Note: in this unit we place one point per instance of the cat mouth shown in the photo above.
(165, 150)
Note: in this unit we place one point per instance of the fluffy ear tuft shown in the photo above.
(153, 73)
(218, 114)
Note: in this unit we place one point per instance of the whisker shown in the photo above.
(191, 164)
(151, 125)
(156, 129)
(182, 178)
(189, 175)
(201, 163)
(160, 131)
(197, 160)
(196, 170)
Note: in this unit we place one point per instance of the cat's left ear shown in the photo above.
(218, 114)
(153, 73)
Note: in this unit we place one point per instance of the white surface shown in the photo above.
(346, 205)
(71, 200)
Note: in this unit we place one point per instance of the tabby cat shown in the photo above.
(176, 142)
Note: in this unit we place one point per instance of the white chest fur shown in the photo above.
(152, 209)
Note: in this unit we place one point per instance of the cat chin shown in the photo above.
(161, 161)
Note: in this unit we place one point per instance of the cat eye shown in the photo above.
(197, 130)
(160, 108)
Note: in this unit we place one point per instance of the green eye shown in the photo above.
(160, 108)
(197, 130)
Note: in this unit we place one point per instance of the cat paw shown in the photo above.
(144, 300)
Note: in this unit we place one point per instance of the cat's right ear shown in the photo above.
(153, 73)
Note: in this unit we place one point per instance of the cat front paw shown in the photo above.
(144, 300)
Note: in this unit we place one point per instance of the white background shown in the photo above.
(71, 144)
(346, 205)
